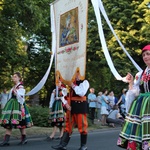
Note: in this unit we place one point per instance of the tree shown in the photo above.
(130, 22)
(25, 23)
(28, 22)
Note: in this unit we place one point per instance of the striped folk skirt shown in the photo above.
(15, 115)
(57, 114)
(135, 134)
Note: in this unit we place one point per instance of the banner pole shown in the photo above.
(69, 111)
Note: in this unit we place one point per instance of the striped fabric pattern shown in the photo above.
(137, 123)
(57, 113)
(15, 116)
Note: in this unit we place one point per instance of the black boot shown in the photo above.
(6, 140)
(63, 143)
(83, 138)
(23, 140)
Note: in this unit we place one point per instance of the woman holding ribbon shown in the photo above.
(135, 134)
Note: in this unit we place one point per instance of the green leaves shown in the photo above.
(131, 24)
(28, 21)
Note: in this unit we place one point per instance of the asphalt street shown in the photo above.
(97, 140)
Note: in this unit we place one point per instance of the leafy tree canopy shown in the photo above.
(25, 42)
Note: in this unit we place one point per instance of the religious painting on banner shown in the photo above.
(71, 36)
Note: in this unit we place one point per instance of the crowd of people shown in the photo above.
(101, 107)
(106, 107)
(67, 107)
(130, 110)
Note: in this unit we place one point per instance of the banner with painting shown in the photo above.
(71, 35)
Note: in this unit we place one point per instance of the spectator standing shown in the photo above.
(92, 104)
(111, 99)
(3, 98)
(122, 103)
(104, 107)
(98, 105)
(116, 100)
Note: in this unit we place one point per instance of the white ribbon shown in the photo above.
(43, 80)
(97, 4)
(101, 7)
(103, 42)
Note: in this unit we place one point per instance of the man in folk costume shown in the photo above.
(78, 115)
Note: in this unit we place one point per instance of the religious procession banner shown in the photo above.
(71, 34)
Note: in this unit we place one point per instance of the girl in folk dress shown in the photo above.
(57, 110)
(135, 134)
(15, 113)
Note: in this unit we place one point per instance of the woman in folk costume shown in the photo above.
(135, 134)
(57, 110)
(15, 113)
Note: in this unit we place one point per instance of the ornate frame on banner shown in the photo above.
(71, 37)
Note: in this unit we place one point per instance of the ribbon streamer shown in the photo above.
(43, 80)
(98, 6)
(103, 42)
(101, 7)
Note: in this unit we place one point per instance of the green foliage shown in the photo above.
(131, 24)
(39, 116)
(28, 21)
(21, 22)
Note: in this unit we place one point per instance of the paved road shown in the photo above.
(97, 140)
